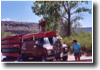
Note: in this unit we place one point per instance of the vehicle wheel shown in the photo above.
(65, 58)
(23, 57)
(5, 59)
(43, 58)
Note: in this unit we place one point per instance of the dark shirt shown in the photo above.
(42, 24)
(57, 46)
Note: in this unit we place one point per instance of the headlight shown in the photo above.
(49, 52)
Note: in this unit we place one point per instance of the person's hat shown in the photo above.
(58, 38)
(74, 41)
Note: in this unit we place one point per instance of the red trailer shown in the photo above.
(10, 45)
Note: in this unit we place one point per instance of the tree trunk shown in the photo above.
(68, 24)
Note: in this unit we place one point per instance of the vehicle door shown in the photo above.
(41, 50)
(30, 48)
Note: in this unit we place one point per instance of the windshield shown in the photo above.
(49, 40)
(46, 41)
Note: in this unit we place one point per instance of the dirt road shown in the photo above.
(83, 57)
(70, 59)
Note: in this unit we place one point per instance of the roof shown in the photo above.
(42, 34)
(13, 36)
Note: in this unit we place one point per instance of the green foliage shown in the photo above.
(84, 38)
(32, 32)
(49, 11)
(4, 34)
(57, 12)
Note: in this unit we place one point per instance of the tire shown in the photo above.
(65, 58)
(43, 58)
(5, 59)
(23, 57)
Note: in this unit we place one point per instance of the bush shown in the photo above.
(84, 38)
(4, 34)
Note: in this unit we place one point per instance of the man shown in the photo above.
(57, 48)
(42, 25)
(76, 49)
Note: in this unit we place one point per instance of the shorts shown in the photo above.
(77, 54)
(57, 56)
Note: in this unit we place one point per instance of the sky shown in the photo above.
(21, 11)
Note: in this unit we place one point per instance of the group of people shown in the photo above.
(57, 45)
(57, 49)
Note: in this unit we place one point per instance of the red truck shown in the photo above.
(37, 46)
(10, 46)
(40, 46)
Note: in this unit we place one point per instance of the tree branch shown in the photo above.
(73, 5)
(68, 6)
(61, 20)
(64, 17)
(65, 7)
(67, 3)
(81, 9)
(75, 18)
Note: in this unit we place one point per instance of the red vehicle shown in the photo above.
(10, 45)
(40, 46)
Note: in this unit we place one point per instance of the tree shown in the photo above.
(64, 12)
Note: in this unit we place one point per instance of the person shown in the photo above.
(41, 42)
(76, 49)
(57, 48)
(42, 25)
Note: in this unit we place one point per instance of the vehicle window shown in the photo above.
(41, 41)
(50, 40)
(46, 41)
(54, 39)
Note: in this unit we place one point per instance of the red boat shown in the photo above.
(10, 41)
(12, 37)
(42, 34)
(10, 45)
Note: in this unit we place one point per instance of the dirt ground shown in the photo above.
(83, 58)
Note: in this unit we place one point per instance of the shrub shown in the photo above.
(84, 38)
(4, 34)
